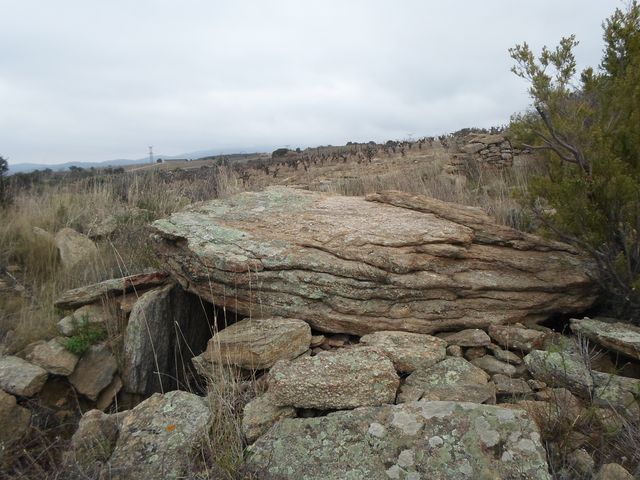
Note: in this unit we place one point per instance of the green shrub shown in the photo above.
(87, 334)
(589, 132)
(280, 152)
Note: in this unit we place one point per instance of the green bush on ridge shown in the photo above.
(589, 131)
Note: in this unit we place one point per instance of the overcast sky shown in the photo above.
(89, 80)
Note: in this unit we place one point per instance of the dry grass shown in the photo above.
(476, 185)
(131, 200)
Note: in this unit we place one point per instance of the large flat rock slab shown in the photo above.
(116, 286)
(418, 440)
(256, 344)
(391, 261)
(618, 336)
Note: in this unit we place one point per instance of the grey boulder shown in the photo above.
(345, 378)
(417, 440)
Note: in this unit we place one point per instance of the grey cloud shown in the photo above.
(90, 80)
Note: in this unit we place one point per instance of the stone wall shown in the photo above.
(492, 150)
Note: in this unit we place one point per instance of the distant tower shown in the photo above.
(151, 154)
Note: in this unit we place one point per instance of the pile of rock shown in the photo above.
(492, 150)
(405, 380)
(393, 337)
(145, 318)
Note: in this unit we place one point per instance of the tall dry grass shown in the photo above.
(472, 184)
(28, 225)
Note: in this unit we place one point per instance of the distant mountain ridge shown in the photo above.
(30, 167)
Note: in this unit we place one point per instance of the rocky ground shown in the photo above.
(387, 337)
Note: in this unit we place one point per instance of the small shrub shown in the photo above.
(85, 336)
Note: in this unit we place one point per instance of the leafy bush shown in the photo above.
(87, 334)
(589, 131)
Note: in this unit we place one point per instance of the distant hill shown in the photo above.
(120, 162)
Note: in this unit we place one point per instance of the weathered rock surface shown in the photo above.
(260, 414)
(117, 286)
(473, 353)
(505, 355)
(454, 351)
(453, 379)
(335, 380)
(104, 228)
(93, 314)
(430, 440)
(560, 369)
(389, 262)
(580, 463)
(15, 420)
(510, 386)
(53, 357)
(165, 326)
(492, 366)
(95, 437)
(516, 338)
(108, 394)
(74, 248)
(471, 337)
(94, 371)
(613, 471)
(615, 391)
(159, 437)
(257, 344)
(617, 336)
(19, 377)
(408, 351)
(565, 403)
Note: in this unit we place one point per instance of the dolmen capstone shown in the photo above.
(390, 261)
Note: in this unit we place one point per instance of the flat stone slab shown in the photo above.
(620, 337)
(408, 351)
(492, 366)
(19, 377)
(453, 379)
(340, 379)
(418, 440)
(392, 261)
(516, 338)
(166, 325)
(117, 286)
(257, 344)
